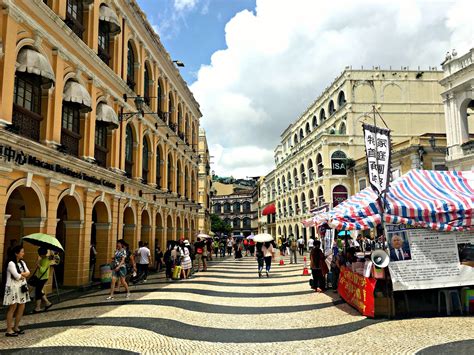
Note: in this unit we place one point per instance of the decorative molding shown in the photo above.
(73, 224)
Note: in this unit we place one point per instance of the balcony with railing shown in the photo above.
(100, 155)
(26, 123)
(70, 141)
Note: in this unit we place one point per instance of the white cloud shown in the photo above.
(280, 57)
(181, 5)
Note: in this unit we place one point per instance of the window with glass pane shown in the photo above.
(159, 94)
(71, 118)
(158, 167)
(129, 144)
(101, 135)
(27, 92)
(146, 86)
(130, 67)
(104, 43)
(75, 16)
(170, 169)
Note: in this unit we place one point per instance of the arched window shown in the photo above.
(285, 211)
(301, 134)
(228, 222)
(128, 151)
(307, 128)
(179, 178)
(322, 116)
(315, 122)
(246, 207)
(27, 117)
(146, 85)
(341, 99)
(236, 223)
(297, 205)
(295, 177)
(159, 166)
(312, 202)
(278, 186)
(295, 139)
(186, 179)
(302, 174)
(310, 170)
(217, 208)
(290, 184)
(290, 206)
(180, 123)
(332, 109)
(342, 128)
(339, 194)
(236, 207)
(171, 124)
(247, 223)
(109, 27)
(303, 203)
(169, 173)
(319, 164)
(320, 196)
(130, 67)
(226, 207)
(338, 163)
(75, 16)
(145, 152)
(279, 208)
(159, 100)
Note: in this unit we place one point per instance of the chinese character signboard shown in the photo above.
(378, 150)
(357, 290)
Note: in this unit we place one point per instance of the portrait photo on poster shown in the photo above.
(466, 254)
(399, 246)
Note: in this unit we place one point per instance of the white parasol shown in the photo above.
(262, 238)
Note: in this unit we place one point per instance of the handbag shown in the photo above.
(34, 280)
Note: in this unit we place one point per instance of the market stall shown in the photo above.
(427, 242)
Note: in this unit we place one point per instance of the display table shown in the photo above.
(357, 290)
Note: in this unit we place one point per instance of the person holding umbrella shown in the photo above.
(260, 258)
(16, 290)
(267, 249)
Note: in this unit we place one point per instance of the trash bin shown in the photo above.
(105, 275)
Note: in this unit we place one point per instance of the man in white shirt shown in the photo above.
(301, 245)
(310, 244)
(144, 257)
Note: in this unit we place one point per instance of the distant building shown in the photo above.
(204, 184)
(267, 209)
(458, 98)
(318, 152)
(236, 204)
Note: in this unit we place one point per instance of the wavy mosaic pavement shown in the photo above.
(228, 309)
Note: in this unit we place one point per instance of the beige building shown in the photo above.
(319, 149)
(205, 184)
(458, 98)
(79, 159)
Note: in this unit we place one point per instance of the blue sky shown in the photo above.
(192, 30)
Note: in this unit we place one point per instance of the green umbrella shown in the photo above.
(43, 240)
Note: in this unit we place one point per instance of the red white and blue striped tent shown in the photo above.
(360, 211)
(441, 200)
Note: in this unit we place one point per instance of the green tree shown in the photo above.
(218, 225)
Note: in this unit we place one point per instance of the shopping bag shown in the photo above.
(176, 272)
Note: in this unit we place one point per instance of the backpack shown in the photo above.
(294, 245)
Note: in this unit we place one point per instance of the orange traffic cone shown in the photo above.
(282, 262)
(305, 268)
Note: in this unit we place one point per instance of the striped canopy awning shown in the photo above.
(442, 200)
(360, 211)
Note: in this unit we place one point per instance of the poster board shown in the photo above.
(357, 290)
(425, 259)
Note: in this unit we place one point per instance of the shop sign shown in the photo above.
(19, 157)
(338, 163)
(357, 290)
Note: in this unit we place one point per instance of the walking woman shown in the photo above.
(268, 254)
(16, 290)
(260, 258)
(119, 269)
(42, 273)
(319, 267)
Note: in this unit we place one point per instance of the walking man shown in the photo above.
(301, 245)
(293, 249)
(143, 260)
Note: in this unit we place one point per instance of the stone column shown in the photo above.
(8, 30)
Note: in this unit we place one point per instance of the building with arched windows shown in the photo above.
(99, 132)
(458, 98)
(317, 155)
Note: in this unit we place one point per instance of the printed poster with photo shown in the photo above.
(424, 258)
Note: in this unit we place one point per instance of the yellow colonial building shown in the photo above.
(318, 151)
(99, 132)
(205, 183)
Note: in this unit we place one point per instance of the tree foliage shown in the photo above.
(218, 225)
